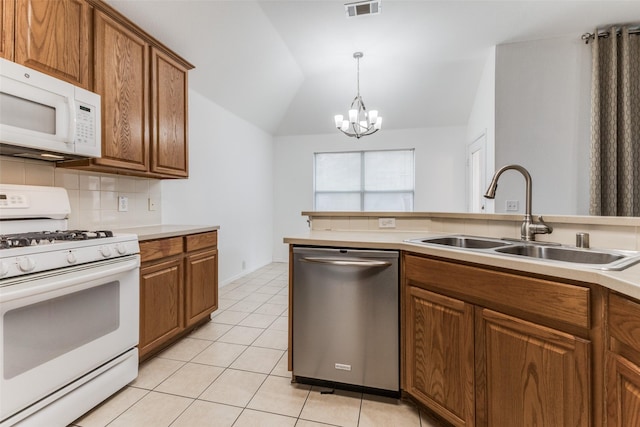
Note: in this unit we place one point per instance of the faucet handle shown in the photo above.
(545, 228)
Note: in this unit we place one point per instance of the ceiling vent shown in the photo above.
(371, 7)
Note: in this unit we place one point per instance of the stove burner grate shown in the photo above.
(46, 237)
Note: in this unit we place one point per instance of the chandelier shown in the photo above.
(361, 122)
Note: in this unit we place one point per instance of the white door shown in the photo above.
(476, 174)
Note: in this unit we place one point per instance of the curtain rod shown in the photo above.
(605, 33)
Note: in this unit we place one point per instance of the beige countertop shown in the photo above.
(161, 231)
(626, 281)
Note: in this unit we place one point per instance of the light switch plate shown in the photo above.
(153, 204)
(123, 204)
(512, 205)
(386, 223)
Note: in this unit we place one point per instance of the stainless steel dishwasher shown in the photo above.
(345, 318)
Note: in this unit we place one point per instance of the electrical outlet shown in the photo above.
(123, 204)
(153, 204)
(512, 205)
(386, 223)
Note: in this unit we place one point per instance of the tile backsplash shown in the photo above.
(93, 196)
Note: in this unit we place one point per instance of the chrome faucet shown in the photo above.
(528, 229)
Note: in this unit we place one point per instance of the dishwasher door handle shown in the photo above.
(347, 262)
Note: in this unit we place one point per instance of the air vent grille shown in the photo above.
(362, 8)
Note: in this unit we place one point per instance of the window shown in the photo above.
(364, 181)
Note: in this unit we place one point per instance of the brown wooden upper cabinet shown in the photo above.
(121, 61)
(142, 83)
(53, 37)
(6, 28)
(169, 115)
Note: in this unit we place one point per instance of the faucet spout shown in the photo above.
(529, 228)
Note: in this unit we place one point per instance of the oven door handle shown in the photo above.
(58, 282)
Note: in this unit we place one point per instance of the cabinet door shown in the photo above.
(121, 78)
(53, 37)
(528, 375)
(169, 154)
(161, 303)
(201, 285)
(6, 28)
(439, 354)
(623, 392)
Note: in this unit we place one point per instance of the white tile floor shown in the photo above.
(233, 372)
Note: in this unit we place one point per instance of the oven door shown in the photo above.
(58, 326)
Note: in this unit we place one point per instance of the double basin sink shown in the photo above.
(591, 258)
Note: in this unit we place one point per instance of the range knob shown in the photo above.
(105, 251)
(121, 248)
(4, 269)
(26, 264)
(71, 258)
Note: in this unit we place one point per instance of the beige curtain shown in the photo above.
(615, 124)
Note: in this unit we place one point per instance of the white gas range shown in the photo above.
(69, 307)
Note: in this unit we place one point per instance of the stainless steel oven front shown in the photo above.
(64, 332)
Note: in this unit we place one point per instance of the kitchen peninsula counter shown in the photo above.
(626, 282)
(162, 231)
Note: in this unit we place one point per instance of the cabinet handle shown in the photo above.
(347, 262)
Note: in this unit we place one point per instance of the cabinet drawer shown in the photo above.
(624, 320)
(156, 249)
(201, 240)
(537, 299)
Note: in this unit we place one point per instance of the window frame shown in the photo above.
(362, 192)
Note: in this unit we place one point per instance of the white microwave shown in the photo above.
(46, 118)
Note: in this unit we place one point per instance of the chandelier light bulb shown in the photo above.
(353, 116)
(361, 122)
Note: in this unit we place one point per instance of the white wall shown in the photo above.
(542, 123)
(230, 184)
(440, 172)
(483, 118)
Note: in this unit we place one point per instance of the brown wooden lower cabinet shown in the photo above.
(477, 357)
(178, 288)
(161, 303)
(202, 298)
(623, 392)
(623, 362)
(439, 362)
(529, 374)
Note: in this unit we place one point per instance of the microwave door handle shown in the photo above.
(72, 120)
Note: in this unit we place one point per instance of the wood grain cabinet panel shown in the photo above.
(54, 37)
(161, 303)
(202, 289)
(623, 392)
(121, 79)
(169, 116)
(623, 362)
(530, 375)
(6, 28)
(439, 355)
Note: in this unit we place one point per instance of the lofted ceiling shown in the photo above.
(287, 67)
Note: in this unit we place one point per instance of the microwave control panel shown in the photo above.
(85, 124)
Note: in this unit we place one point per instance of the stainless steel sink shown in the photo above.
(467, 242)
(581, 256)
(591, 258)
